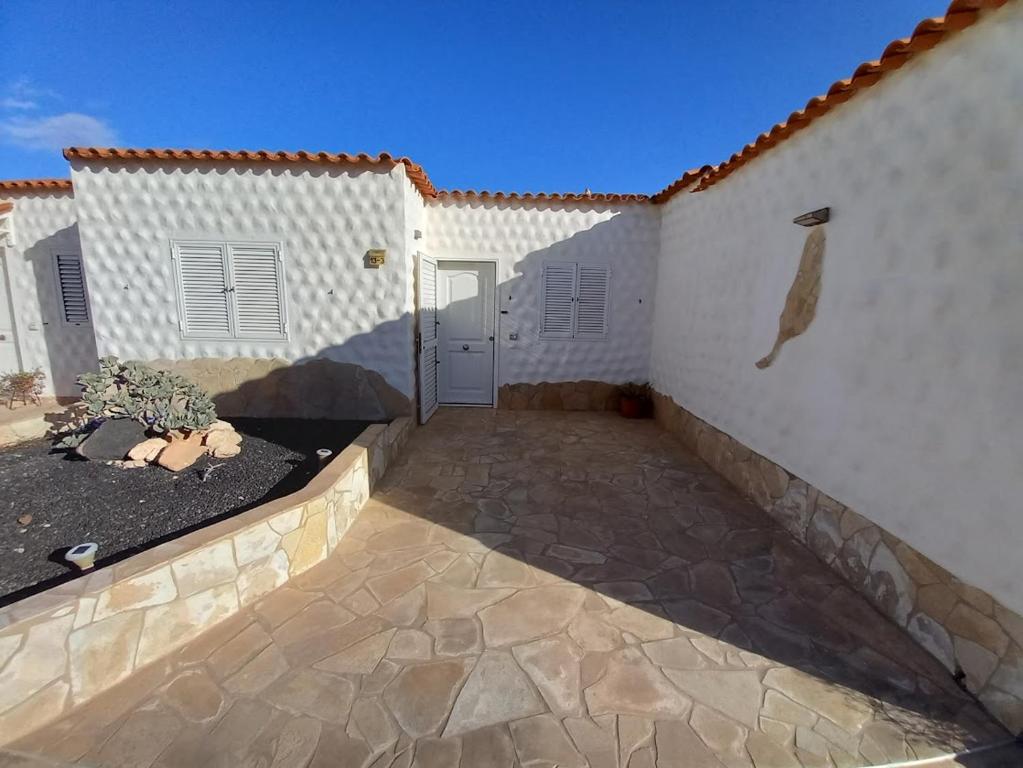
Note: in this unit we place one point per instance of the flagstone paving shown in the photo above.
(542, 589)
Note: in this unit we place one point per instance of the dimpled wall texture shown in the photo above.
(325, 219)
(902, 399)
(44, 225)
(522, 237)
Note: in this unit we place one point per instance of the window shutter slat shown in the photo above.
(202, 269)
(71, 284)
(256, 278)
(591, 308)
(556, 301)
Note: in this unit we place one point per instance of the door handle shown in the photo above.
(465, 347)
(490, 338)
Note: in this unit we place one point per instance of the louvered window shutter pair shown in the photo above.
(574, 301)
(230, 290)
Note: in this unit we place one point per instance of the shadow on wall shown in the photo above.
(70, 348)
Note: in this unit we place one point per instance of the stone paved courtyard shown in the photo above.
(543, 589)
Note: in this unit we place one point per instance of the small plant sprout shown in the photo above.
(209, 470)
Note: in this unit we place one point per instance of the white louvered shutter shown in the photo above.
(257, 290)
(426, 305)
(557, 299)
(592, 301)
(203, 286)
(71, 284)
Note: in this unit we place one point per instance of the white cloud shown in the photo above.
(55, 132)
(18, 103)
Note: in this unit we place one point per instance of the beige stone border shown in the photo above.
(963, 627)
(583, 395)
(62, 647)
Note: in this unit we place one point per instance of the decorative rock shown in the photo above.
(148, 450)
(181, 453)
(24, 519)
(112, 440)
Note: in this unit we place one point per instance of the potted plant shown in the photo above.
(634, 401)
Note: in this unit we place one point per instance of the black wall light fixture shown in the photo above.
(813, 218)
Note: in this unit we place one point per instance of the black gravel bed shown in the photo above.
(126, 511)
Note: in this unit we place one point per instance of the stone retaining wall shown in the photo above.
(559, 396)
(963, 627)
(62, 647)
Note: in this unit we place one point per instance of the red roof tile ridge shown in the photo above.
(928, 33)
(573, 197)
(25, 185)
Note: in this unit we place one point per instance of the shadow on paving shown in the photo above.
(544, 588)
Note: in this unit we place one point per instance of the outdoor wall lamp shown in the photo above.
(813, 218)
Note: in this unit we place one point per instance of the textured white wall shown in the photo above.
(44, 226)
(904, 399)
(522, 236)
(326, 220)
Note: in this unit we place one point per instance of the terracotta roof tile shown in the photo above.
(28, 185)
(415, 171)
(928, 33)
(567, 197)
(6, 207)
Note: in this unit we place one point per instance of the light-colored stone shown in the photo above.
(195, 696)
(455, 637)
(735, 694)
(635, 686)
(501, 570)
(530, 614)
(103, 653)
(314, 693)
(361, 658)
(966, 621)
(541, 738)
(262, 577)
(312, 545)
(41, 660)
(645, 622)
(170, 626)
(153, 588)
(445, 602)
(553, 665)
(677, 653)
(781, 708)
(410, 645)
(830, 701)
(255, 676)
(205, 568)
(37, 709)
(726, 738)
(497, 691)
(933, 636)
(286, 522)
(976, 661)
(592, 633)
(391, 585)
(148, 449)
(890, 585)
(255, 542)
(421, 696)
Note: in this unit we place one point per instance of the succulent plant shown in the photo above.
(160, 400)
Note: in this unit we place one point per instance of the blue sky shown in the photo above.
(545, 96)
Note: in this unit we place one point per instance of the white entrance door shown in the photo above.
(8, 350)
(465, 311)
(426, 331)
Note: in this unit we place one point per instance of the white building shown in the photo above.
(902, 399)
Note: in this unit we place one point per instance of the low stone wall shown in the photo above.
(62, 647)
(559, 396)
(270, 386)
(973, 635)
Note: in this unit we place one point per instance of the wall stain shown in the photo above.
(801, 302)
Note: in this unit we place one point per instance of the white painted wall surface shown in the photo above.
(325, 218)
(44, 226)
(904, 399)
(522, 237)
